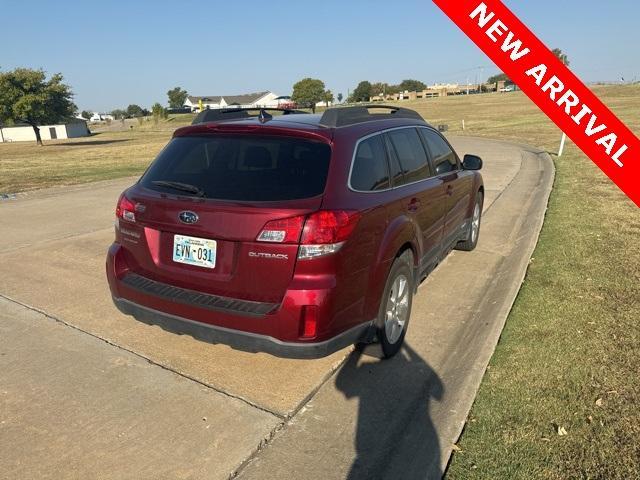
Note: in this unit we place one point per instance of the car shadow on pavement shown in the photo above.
(395, 436)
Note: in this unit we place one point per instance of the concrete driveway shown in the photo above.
(86, 392)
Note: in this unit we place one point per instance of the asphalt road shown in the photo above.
(86, 392)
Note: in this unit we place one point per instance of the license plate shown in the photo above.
(194, 251)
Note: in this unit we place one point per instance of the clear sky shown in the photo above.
(116, 52)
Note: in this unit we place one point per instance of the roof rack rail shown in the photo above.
(342, 116)
(240, 113)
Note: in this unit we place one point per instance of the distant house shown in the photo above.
(100, 117)
(247, 100)
(70, 128)
(193, 102)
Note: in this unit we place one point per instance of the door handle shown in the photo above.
(449, 190)
(414, 204)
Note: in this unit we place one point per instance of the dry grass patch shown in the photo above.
(111, 152)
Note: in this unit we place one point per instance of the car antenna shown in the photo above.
(264, 116)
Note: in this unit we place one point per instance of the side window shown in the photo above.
(443, 158)
(394, 164)
(370, 170)
(411, 154)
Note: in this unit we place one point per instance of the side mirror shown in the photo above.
(472, 162)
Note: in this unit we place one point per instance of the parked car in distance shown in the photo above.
(291, 233)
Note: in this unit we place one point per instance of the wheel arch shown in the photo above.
(401, 235)
(478, 187)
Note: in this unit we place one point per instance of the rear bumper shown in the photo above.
(241, 340)
(275, 328)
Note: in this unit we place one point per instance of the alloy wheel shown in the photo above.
(397, 309)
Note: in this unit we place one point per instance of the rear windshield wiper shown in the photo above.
(183, 187)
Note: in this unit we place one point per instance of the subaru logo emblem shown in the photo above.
(188, 217)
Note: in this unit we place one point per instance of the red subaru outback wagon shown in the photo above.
(292, 233)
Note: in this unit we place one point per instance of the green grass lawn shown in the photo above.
(569, 356)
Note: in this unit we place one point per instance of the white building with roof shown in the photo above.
(247, 100)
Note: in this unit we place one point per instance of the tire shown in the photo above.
(474, 228)
(395, 305)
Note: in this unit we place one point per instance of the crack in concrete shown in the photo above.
(164, 367)
(285, 420)
(289, 417)
(55, 239)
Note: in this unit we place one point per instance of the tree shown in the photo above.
(379, 88)
(561, 56)
(86, 114)
(328, 97)
(500, 77)
(27, 96)
(309, 91)
(393, 89)
(119, 114)
(158, 112)
(135, 111)
(362, 93)
(412, 86)
(177, 97)
(339, 97)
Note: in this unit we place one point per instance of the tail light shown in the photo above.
(125, 209)
(324, 232)
(329, 227)
(286, 230)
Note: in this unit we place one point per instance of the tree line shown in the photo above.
(176, 98)
(365, 89)
(309, 92)
(27, 96)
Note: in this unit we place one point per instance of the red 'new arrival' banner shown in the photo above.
(552, 86)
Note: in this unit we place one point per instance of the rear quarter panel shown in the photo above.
(377, 239)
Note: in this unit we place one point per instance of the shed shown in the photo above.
(69, 128)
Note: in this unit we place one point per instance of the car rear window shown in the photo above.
(241, 168)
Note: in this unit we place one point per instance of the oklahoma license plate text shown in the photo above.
(196, 251)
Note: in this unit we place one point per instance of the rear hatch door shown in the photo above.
(203, 203)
